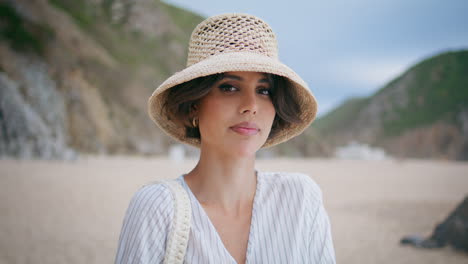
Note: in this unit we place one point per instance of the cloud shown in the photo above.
(346, 78)
(369, 74)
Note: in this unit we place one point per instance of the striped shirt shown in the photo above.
(289, 225)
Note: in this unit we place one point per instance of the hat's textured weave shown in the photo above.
(231, 34)
(233, 42)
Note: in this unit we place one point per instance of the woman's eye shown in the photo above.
(227, 88)
(265, 91)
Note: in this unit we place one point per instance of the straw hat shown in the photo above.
(233, 42)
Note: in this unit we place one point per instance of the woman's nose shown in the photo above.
(249, 103)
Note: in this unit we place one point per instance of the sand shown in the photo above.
(72, 212)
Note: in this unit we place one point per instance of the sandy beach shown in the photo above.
(72, 212)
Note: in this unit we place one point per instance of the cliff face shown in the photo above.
(75, 75)
(422, 113)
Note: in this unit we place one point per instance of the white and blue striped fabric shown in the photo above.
(289, 225)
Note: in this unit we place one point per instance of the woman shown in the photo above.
(233, 98)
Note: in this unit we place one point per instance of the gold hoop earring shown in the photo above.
(195, 122)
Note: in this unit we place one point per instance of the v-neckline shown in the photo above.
(213, 229)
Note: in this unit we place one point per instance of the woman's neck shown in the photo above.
(227, 183)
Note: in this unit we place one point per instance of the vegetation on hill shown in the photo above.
(22, 35)
(438, 90)
(341, 117)
(133, 48)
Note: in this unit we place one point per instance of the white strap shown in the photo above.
(179, 234)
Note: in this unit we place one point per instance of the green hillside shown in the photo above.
(437, 90)
(341, 117)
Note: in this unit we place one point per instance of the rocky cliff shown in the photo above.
(75, 75)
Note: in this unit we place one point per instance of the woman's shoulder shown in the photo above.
(296, 178)
(146, 225)
(299, 183)
(153, 197)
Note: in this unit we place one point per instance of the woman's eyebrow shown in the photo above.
(234, 77)
(238, 78)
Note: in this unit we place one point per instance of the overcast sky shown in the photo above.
(352, 47)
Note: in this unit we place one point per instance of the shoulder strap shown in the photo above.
(179, 234)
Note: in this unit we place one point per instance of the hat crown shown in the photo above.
(231, 33)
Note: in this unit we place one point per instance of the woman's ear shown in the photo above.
(193, 112)
(194, 108)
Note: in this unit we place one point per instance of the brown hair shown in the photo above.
(181, 99)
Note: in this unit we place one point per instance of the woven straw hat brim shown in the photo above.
(234, 61)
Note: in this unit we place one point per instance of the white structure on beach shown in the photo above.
(177, 153)
(355, 150)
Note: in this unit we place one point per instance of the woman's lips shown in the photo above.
(246, 128)
(245, 131)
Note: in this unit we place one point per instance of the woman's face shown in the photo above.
(236, 116)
